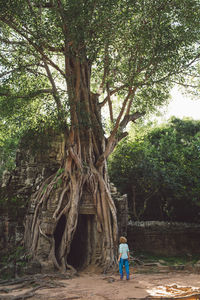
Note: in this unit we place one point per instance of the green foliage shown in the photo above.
(58, 182)
(138, 45)
(8, 145)
(160, 172)
(31, 124)
(60, 171)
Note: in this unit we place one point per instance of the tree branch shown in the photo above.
(54, 89)
(46, 5)
(130, 118)
(101, 104)
(185, 85)
(23, 68)
(30, 95)
(111, 143)
(176, 72)
(109, 102)
(106, 70)
(12, 42)
(37, 48)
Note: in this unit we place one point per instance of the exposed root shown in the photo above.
(66, 191)
(45, 196)
(43, 234)
(60, 202)
(74, 271)
(34, 283)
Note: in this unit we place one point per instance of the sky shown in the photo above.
(180, 106)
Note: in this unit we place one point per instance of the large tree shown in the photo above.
(79, 57)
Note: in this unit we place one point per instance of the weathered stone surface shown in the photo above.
(11, 234)
(32, 267)
(6, 178)
(197, 267)
(87, 209)
(34, 164)
(164, 238)
(121, 204)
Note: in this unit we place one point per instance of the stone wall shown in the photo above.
(121, 203)
(35, 160)
(163, 238)
(11, 235)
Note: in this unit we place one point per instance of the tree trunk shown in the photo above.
(51, 232)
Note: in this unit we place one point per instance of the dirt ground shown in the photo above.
(96, 286)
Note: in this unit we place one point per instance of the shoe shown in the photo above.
(121, 278)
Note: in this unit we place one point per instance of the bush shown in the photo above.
(160, 172)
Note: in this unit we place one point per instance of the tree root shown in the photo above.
(35, 282)
(66, 190)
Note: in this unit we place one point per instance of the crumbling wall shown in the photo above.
(121, 203)
(164, 238)
(36, 159)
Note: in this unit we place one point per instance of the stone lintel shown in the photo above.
(87, 209)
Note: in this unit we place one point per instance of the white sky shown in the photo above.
(181, 106)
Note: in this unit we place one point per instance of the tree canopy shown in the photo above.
(160, 172)
(134, 49)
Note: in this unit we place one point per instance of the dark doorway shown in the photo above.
(58, 233)
(80, 245)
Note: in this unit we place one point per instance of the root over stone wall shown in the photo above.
(32, 167)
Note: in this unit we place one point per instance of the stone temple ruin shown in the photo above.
(33, 165)
(42, 158)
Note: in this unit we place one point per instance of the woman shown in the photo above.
(123, 258)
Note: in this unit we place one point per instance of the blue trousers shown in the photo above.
(124, 262)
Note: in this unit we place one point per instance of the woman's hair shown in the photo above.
(122, 240)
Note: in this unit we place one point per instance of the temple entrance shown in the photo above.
(83, 242)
